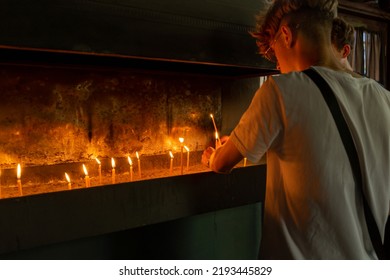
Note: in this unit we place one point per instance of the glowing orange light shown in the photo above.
(67, 177)
(188, 157)
(131, 168)
(18, 172)
(171, 163)
(139, 164)
(85, 170)
(18, 181)
(113, 170)
(87, 180)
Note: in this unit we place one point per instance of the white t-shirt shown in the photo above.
(312, 207)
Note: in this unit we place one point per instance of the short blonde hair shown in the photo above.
(308, 14)
(342, 34)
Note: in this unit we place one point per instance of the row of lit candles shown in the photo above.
(88, 181)
(113, 165)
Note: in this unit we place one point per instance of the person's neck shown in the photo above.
(319, 55)
(306, 53)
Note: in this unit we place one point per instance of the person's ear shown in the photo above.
(346, 51)
(287, 36)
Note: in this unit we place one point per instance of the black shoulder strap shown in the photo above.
(350, 148)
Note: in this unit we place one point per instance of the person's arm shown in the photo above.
(223, 159)
(259, 126)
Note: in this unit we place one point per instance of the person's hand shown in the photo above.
(224, 139)
(206, 156)
(221, 141)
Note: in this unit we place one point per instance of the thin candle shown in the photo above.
(131, 168)
(188, 157)
(18, 179)
(215, 128)
(181, 140)
(87, 180)
(68, 180)
(171, 165)
(100, 170)
(139, 164)
(217, 140)
(244, 161)
(113, 170)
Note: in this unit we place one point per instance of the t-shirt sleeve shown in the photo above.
(261, 124)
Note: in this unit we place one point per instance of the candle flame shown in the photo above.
(136, 153)
(130, 161)
(181, 139)
(211, 115)
(216, 135)
(98, 161)
(112, 162)
(85, 170)
(170, 153)
(18, 172)
(67, 177)
(187, 149)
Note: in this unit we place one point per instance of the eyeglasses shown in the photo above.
(269, 54)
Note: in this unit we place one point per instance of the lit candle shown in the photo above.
(68, 179)
(216, 131)
(100, 170)
(113, 170)
(216, 139)
(131, 168)
(18, 179)
(171, 166)
(188, 157)
(244, 161)
(87, 180)
(181, 140)
(139, 164)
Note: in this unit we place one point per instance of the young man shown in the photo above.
(312, 207)
(342, 37)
